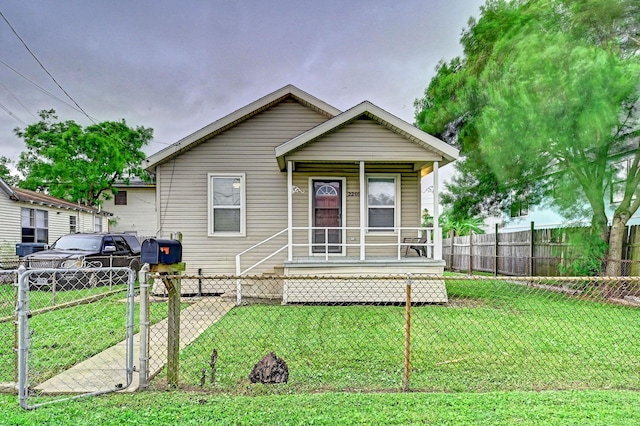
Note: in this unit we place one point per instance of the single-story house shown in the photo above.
(33, 217)
(293, 186)
(133, 208)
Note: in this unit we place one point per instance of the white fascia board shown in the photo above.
(427, 141)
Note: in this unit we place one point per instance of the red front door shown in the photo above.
(327, 214)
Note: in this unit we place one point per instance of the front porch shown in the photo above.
(372, 266)
(373, 280)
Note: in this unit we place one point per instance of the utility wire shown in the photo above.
(42, 89)
(44, 68)
(16, 98)
(15, 117)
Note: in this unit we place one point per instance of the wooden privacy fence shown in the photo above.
(534, 252)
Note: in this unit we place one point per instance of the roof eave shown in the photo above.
(235, 118)
(447, 152)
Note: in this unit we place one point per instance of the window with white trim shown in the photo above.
(382, 203)
(227, 204)
(35, 226)
(97, 224)
(73, 224)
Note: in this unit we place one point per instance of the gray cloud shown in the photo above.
(176, 66)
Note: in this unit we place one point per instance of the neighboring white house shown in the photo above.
(134, 208)
(521, 214)
(291, 183)
(32, 217)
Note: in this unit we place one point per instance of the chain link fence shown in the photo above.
(8, 330)
(64, 320)
(423, 333)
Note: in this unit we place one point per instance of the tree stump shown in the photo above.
(270, 369)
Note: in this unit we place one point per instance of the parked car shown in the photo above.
(75, 251)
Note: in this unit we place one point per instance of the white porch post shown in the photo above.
(437, 231)
(363, 209)
(289, 211)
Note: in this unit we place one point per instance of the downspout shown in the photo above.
(289, 210)
(363, 210)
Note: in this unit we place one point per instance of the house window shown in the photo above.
(73, 224)
(35, 226)
(382, 203)
(226, 204)
(97, 224)
(120, 198)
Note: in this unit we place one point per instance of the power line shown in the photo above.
(44, 68)
(42, 89)
(16, 98)
(12, 115)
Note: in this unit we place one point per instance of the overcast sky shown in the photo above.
(176, 66)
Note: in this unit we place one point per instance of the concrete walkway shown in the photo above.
(106, 370)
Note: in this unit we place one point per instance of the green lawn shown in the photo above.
(497, 353)
(184, 408)
(492, 336)
(63, 337)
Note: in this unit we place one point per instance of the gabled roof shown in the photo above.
(32, 197)
(390, 121)
(238, 117)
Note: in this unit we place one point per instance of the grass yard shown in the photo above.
(492, 336)
(63, 337)
(190, 408)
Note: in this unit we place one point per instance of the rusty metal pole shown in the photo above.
(407, 342)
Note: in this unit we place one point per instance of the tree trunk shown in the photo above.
(616, 243)
(599, 223)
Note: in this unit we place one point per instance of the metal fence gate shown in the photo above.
(75, 333)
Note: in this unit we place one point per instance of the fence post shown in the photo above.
(497, 251)
(173, 331)
(470, 252)
(22, 308)
(171, 280)
(143, 278)
(452, 251)
(407, 342)
(531, 248)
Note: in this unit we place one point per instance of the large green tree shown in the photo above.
(80, 164)
(544, 103)
(5, 171)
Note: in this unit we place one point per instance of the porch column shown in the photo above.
(437, 232)
(289, 210)
(363, 209)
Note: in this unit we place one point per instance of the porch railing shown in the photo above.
(401, 238)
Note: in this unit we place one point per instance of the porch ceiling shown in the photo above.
(354, 166)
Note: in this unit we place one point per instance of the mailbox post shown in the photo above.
(165, 257)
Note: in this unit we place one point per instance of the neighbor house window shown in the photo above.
(35, 226)
(97, 224)
(382, 203)
(73, 224)
(226, 204)
(121, 198)
(620, 171)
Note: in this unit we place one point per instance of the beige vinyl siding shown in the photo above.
(58, 221)
(138, 215)
(366, 140)
(10, 229)
(247, 148)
